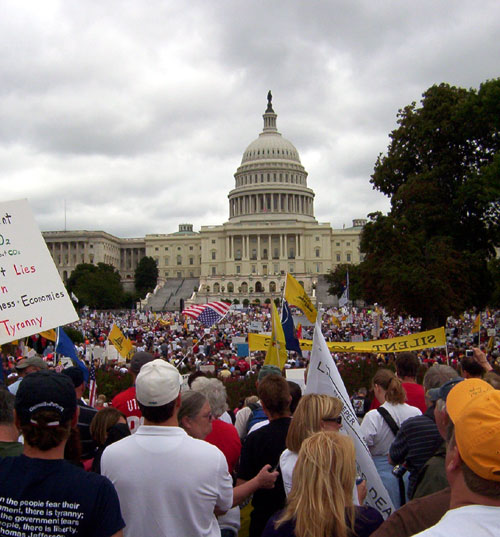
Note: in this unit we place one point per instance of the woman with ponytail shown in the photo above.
(320, 503)
(377, 432)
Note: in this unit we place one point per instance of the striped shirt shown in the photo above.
(416, 441)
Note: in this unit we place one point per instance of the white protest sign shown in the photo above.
(32, 295)
(324, 377)
(255, 326)
(297, 376)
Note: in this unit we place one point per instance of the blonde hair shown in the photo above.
(394, 391)
(322, 484)
(312, 408)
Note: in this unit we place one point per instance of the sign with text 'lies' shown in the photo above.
(32, 295)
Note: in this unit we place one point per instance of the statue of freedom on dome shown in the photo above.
(269, 102)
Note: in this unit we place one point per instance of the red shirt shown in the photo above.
(415, 395)
(127, 403)
(226, 438)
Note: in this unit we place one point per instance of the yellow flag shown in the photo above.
(49, 334)
(491, 344)
(336, 322)
(276, 350)
(296, 296)
(477, 324)
(123, 345)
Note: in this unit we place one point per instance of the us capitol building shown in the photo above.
(271, 230)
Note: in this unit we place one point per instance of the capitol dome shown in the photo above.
(271, 181)
(270, 145)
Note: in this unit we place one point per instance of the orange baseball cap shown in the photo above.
(474, 407)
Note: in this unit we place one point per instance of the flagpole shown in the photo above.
(281, 312)
(479, 333)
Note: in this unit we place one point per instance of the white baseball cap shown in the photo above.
(157, 384)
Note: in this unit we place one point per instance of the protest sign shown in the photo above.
(324, 378)
(298, 376)
(32, 295)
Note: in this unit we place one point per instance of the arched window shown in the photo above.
(244, 287)
(272, 287)
(216, 288)
(230, 287)
(258, 287)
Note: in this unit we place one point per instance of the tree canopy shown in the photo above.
(97, 286)
(428, 256)
(146, 276)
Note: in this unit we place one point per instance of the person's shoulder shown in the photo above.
(123, 396)
(412, 411)
(367, 520)
(86, 410)
(225, 428)
(416, 421)
(119, 448)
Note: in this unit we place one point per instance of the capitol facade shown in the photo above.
(271, 230)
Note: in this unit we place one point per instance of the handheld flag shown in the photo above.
(291, 338)
(344, 299)
(92, 384)
(123, 345)
(324, 378)
(476, 327)
(209, 313)
(276, 351)
(296, 296)
(49, 334)
(66, 347)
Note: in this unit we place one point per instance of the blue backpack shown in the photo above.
(257, 415)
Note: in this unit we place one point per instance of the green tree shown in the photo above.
(494, 268)
(146, 276)
(337, 279)
(97, 286)
(428, 256)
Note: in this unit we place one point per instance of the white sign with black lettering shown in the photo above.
(32, 295)
(324, 377)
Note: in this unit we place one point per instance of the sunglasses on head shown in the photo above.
(338, 419)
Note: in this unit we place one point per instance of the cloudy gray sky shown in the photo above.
(137, 112)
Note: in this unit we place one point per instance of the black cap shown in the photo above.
(442, 392)
(139, 359)
(75, 374)
(45, 390)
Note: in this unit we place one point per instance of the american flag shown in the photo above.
(209, 313)
(92, 384)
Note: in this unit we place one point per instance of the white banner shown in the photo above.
(32, 295)
(324, 377)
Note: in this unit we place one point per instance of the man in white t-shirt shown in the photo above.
(472, 462)
(168, 483)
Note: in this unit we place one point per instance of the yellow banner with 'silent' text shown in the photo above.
(412, 342)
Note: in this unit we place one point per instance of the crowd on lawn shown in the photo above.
(168, 456)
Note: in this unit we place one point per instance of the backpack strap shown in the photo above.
(388, 419)
(394, 428)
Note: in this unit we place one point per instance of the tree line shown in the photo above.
(433, 254)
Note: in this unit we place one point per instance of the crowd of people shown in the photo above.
(166, 457)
